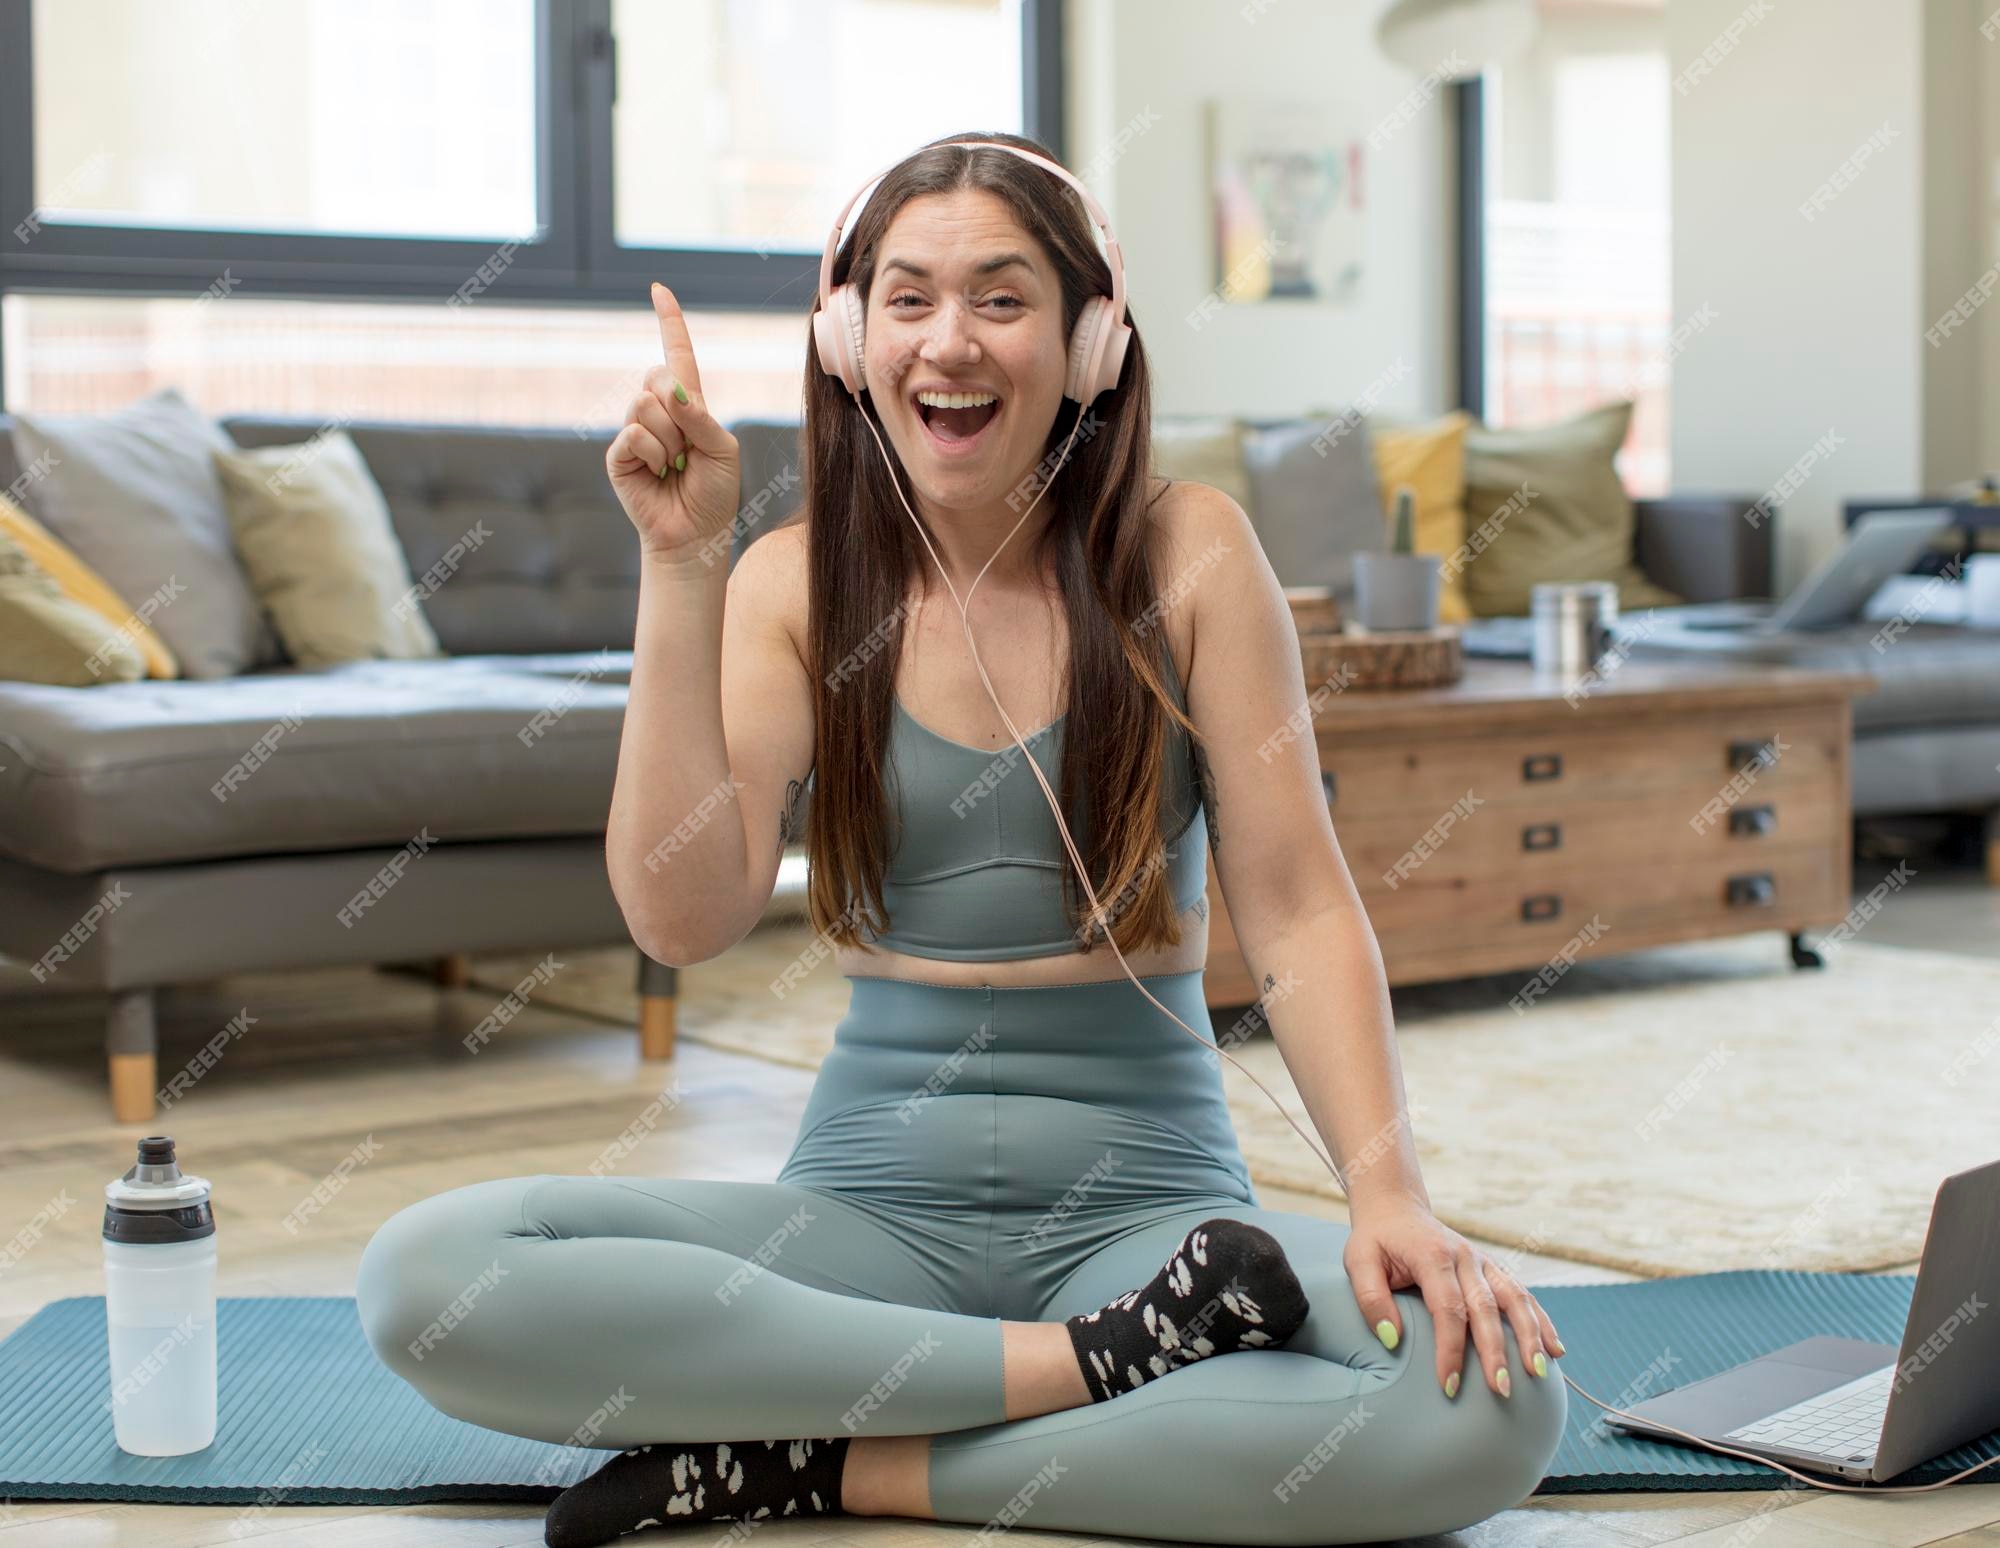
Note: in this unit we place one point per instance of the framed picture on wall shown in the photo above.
(1287, 196)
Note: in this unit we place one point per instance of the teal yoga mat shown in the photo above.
(309, 1416)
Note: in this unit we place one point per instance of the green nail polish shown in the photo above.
(681, 462)
(680, 391)
(1505, 1382)
(1386, 1331)
(1541, 1363)
(1451, 1385)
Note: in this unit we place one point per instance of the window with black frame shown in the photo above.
(452, 209)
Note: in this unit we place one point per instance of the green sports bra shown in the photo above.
(976, 874)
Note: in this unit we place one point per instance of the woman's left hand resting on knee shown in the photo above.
(1393, 1244)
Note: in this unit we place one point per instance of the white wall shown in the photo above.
(1952, 156)
(1985, 237)
(1816, 321)
(1129, 57)
(1527, 154)
(1820, 323)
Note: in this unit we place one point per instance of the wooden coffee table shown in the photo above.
(1498, 822)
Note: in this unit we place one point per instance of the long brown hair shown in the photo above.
(863, 557)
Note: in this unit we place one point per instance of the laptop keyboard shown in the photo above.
(1845, 1422)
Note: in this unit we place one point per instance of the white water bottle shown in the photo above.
(159, 1305)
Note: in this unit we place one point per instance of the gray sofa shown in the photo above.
(122, 873)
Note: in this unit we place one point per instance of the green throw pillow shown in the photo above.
(1547, 505)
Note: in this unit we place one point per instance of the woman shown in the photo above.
(1013, 1270)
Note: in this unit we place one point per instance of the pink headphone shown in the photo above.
(1096, 345)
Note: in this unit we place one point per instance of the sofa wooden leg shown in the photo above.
(132, 1045)
(659, 987)
(453, 971)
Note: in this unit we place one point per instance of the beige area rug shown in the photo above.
(1686, 1110)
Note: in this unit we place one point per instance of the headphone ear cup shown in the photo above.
(1083, 347)
(1111, 359)
(838, 336)
(1096, 351)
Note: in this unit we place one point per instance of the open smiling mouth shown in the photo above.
(956, 431)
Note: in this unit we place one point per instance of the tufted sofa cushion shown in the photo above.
(514, 534)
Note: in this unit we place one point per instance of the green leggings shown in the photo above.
(967, 1155)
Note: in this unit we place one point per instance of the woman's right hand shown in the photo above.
(690, 508)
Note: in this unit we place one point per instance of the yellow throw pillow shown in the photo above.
(80, 583)
(1430, 459)
(315, 538)
(50, 638)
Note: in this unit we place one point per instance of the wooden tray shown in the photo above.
(1315, 609)
(1418, 658)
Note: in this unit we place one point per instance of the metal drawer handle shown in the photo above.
(1542, 766)
(1753, 821)
(1758, 890)
(1544, 905)
(1743, 754)
(1542, 835)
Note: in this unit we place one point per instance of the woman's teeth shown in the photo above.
(956, 416)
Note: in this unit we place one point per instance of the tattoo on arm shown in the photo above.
(791, 816)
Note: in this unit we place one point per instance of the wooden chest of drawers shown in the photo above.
(1491, 823)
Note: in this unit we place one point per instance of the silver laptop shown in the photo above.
(1871, 1411)
(1879, 546)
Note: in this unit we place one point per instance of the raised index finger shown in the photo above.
(674, 342)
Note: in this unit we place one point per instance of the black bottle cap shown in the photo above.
(189, 1223)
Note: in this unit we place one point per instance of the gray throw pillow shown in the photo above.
(1314, 497)
(136, 495)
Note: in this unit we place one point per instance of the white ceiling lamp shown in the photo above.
(1455, 39)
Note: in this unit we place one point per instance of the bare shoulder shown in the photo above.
(1201, 531)
(1196, 519)
(1196, 529)
(769, 582)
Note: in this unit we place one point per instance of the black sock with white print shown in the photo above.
(673, 1481)
(1226, 1287)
